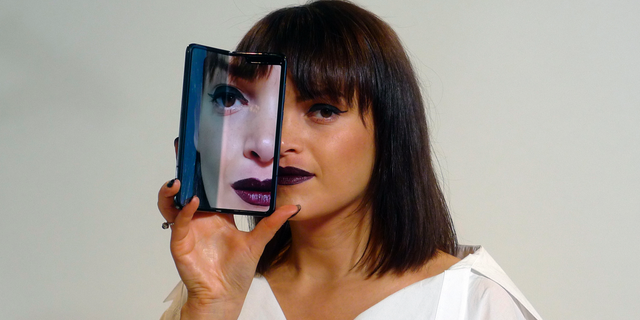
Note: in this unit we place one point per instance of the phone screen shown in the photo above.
(230, 124)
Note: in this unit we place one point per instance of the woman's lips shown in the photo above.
(253, 191)
(291, 175)
(256, 192)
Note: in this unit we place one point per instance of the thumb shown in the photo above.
(267, 227)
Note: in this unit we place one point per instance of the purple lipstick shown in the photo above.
(253, 191)
(291, 175)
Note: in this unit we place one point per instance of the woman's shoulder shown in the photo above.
(478, 285)
(488, 300)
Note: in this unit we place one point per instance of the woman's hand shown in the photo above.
(215, 260)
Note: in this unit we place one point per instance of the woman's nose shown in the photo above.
(290, 142)
(259, 144)
(260, 149)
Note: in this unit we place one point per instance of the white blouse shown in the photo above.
(475, 288)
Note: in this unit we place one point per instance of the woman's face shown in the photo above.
(236, 138)
(326, 156)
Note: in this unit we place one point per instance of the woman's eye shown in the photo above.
(324, 113)
(227, 99)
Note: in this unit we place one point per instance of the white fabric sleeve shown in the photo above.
(178, 297)
(488, 300)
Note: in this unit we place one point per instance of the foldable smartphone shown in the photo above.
(230, 125)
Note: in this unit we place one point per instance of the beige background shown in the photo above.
(534, 107)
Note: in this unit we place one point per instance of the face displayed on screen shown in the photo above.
(236, 136)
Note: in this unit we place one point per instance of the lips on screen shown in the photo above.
(235, 133)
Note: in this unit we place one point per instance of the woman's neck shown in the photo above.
(328, 248)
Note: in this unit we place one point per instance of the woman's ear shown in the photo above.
(175, 145)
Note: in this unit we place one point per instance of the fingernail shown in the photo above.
(191, 199)
(170, 183)
(299, 208)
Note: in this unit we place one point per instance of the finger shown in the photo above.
(180, 228)
(267, 227)
(166, 204)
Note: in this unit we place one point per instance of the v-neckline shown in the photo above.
(420, 283)
(463, 253)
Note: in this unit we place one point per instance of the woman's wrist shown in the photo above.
(197, 310)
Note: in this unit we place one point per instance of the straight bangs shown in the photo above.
(240, 68)
(212, 62)
(235, 66)
(327, 55)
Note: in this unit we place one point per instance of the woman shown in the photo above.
(365, 233)
(236, 132)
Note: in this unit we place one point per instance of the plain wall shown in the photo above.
(534, 110)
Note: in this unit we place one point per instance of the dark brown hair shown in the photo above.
(235, 66)
(337, 49)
